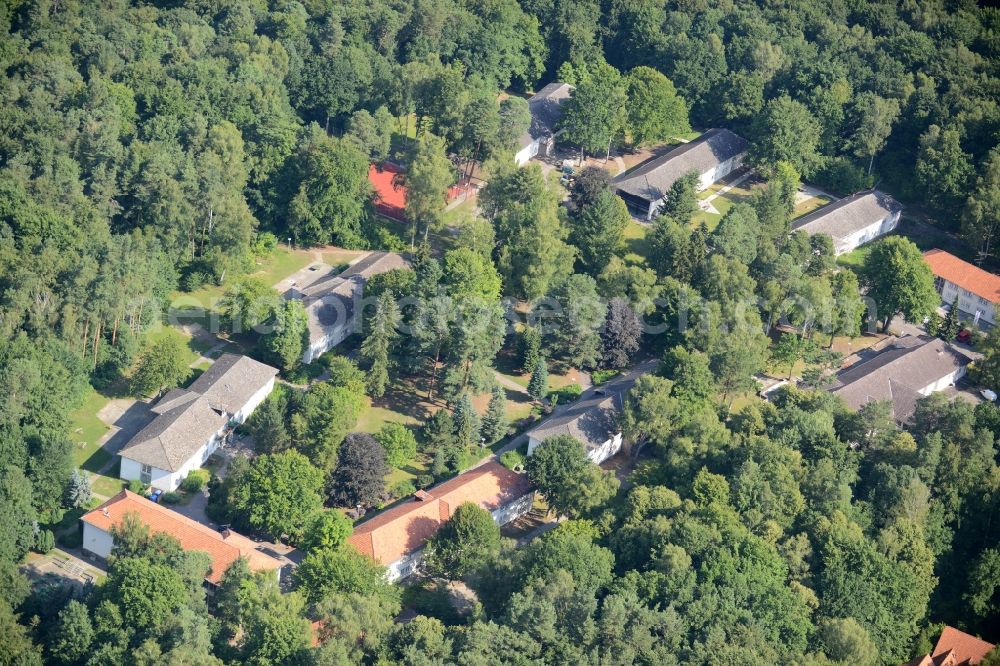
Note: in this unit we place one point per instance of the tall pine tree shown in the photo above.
(538, 387)
(495, 419)
(376, 346)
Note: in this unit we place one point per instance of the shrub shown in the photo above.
(195, 481)
(598, 377)
(403, 488)
(425, 481)
(399, 443)
(512, 460)
(45, 541)
(194, 280)
(567, 393)
(136, 486)
(171, 498)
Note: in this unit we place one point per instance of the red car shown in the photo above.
(965, 336)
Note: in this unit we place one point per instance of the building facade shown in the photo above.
(976, 291)
(545, 109)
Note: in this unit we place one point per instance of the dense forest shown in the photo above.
(152, 147)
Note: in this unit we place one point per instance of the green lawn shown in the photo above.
(636, 245)
(373, 418)
(86, 429)
(195, 306)
(421, 464)
(855, 258)
(722, 202)
(809, 205)
(110, 484)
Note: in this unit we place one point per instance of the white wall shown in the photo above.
(968, 302)
(522, 156)
(514, 510)
(606, 450)
(944, 382)
(169, 481)
(254, 401)
(97, 541)
(869, 233)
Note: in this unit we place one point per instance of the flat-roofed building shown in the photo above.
(712, 156)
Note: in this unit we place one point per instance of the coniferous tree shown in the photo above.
(538, 387)
(377, 345)
(79, 492)
(951, 325)
(620, 335)
(467, 422)
(495, 420)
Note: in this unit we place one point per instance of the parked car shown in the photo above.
(965, 336)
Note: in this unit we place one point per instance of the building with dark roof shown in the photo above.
(189, 424)
(332, 300)
(223, 546)
(713, 156)
(853, 220)
(977, 291)
(908, 369)
(545, 108)
(592, 420)
(954, 648)
(396, 537)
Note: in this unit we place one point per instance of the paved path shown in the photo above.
(706, 203)
(509, 383)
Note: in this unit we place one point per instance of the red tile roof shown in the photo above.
(963, 274)
(405, 528)
(223, 549)
(954, 648)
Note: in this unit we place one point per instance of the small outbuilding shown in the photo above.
(546, 110)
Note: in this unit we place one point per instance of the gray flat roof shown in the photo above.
(848, 215)
(652, 179)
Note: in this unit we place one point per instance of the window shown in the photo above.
(146, 474)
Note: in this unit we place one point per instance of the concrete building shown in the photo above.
(977, 291)
(854, 220)
(545, 113)
(223, 547)
(333, 300)
(908, 369)
(592, 420)
(191, 423)
(713, 156)
(396, 537)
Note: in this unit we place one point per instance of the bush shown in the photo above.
(136, 486)
(567, 393)
(598, 377)
(399, 443)
(195, 481)
(402, 489)
(72, 539)
(194, 280)
(171, 498)
(264, 244)
(512, 460)
(425, 481)
(45, 541)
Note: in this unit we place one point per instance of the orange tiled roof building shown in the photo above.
(224, 547)
(396, 537)
(954, 648)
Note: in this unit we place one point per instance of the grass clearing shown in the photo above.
(85, 428)
(854, 259)
(637, 247)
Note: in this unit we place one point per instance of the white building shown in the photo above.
(545, 113)
(906, 370)
(713, 156)
(854, 220)
(592, 420)
(976, 290)
(191, 423)
(396, 537)
(333, 301)
(223, 547)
